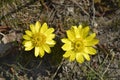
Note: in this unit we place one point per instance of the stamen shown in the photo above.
(38, 39)
(78, 45)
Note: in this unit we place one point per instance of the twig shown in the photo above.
(94, 71)
(54, 75)
(108, 65)
(93, 10)
(105, 51)
(74, 1)
(2, 34)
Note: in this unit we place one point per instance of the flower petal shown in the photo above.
(29, 48)
(67, 54)
(24, 42)
(37, 51)
(71, 35)
(37, 26)
(26, 37)
(85, 32)
(79, 57)
(32, 28)
(50, 37)
(67, 47)
(51, 43)
(49, 31)
(86, 56)
(46, 48)
(76, 31)
(41, 54)
(90, 50)
(29, 33)
(72, 56)
(44, 28)
(90, 37)
(80, 27)
(92, 42)
(65, 40)
(28, 45)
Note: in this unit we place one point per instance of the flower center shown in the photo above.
(78, 45)
(38, 39)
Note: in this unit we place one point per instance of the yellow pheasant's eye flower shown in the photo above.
(40, 38)
(79, 44)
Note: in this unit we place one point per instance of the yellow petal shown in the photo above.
(86, 56)
(28, 45)
(37, 51)
(24, 42)
(67, 54)
(44, 28)
(46, 48)
(72, 56)
(37, 26)
(71, 35)
(90, 37)
(67, 47)
(41, 54)
(79, 58)
(90, 50)
(50, 37)
(76, 30)
(29, 33)
(32, 28)
(65, 40)
(29, 48)
(26, 37)
(49, 31)
(80, 27)
(85, 32)
(91, 42)
(51, 42)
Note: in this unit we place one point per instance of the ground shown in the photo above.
(103, 17)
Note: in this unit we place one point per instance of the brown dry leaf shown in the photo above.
(13, 36)
(8, 42)
(9, 37)
(2, 78)
(3, 28)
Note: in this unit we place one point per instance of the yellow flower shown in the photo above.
(79, 44)
(40, 38)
